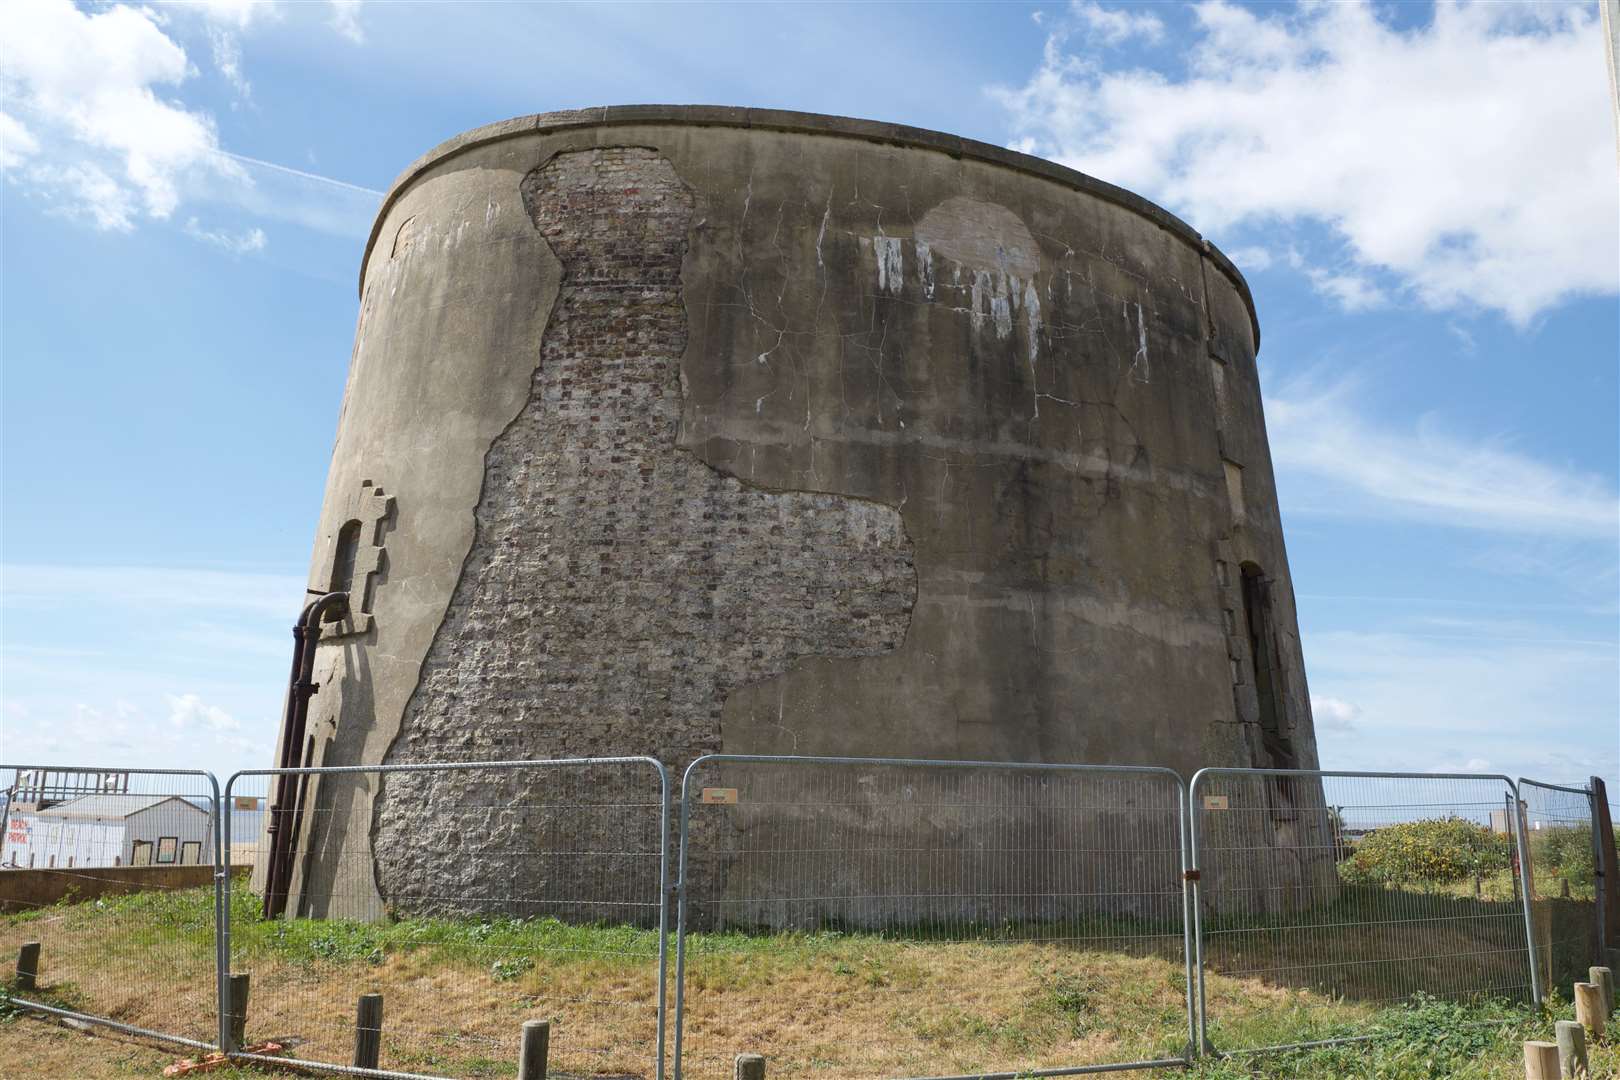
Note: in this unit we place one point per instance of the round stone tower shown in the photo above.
(676, 430)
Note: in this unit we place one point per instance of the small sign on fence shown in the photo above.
(1216, 802)
(720, 796)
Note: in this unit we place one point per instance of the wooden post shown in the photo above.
(1589, 1008)
(28, 965)
(368, 1017)
(536, 1047)
(1479, 886)
(1607, 879)
(750, 1067)
(1541, 1061)
(239, 1009)
(1563, 888)
(1603, 979)
(1572, 1050)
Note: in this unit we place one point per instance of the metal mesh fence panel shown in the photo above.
(1326, 897)
(861, 918)
(111, 872)
(1559, 833)
(473, 897)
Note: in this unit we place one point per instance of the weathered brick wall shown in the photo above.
(617, 588)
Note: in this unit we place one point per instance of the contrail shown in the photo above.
(299, 173)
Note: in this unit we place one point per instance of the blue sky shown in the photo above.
(1424, 200)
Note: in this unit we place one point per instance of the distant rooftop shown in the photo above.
(114, 806)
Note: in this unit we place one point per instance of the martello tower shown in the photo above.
(672, 430)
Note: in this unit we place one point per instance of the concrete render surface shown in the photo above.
(683, 430)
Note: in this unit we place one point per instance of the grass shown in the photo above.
(1425, 1039)
(841, 1005)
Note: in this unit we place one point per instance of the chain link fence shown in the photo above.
(480, 895)
(848, 917)
(929, 917)
(1560, 834)
(111, 872)
(1348, 892)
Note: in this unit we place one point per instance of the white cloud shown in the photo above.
(228, 59)
(1465, 340)
(16, 142)
(84, 191)
(239, 14)
(95, 128)
(190, 712)
(226, 21)
(1251, 259)
(144, 666)
(1580, 570)
(1331, 713)
(1476, 705)
(79, 732)
(1114, 26)
(1471, 159)
(1351, 291)
(115, 732)
(89, 82)
(1330, 458)
(346, 20)
(243, 243)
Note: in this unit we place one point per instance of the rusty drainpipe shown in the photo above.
(300, 688)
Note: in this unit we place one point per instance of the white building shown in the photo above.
(109, 830)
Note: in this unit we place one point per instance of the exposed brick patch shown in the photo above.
(617, 587)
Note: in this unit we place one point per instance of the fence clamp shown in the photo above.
(1191, 875)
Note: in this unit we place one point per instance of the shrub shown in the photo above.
(1436, 851)
(508, 968)
(1564, 852)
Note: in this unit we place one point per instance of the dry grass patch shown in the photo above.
(846, 1006)
(44, 1051)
